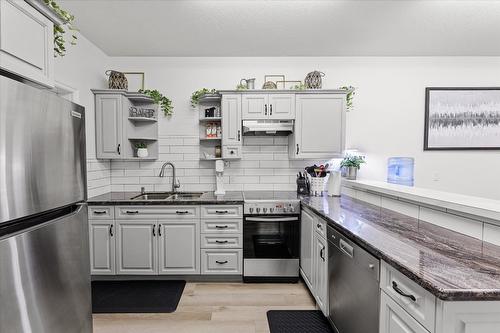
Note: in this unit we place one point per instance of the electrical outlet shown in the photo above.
(435, 176)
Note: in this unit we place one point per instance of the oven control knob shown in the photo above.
(291, 209)
(251, 209)
(257, 209)
(271, 210)
(264, 209)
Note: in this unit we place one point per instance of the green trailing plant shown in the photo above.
(299, 86)
(195, 96)
(61, 29)
(140, 145)
(164, 102)
(241, 87)
(349, 96)
(352, 161)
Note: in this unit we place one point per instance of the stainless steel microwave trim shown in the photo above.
(267, 127)
(272, 219)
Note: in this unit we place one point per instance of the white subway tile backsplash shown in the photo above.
(274, 179)
(274, 149)
(460, 224)
(258, 187)
(138, 172)
(258, 140)
(258, 157)
(369, 197)
(492, 234)
(258, 172)
(244, 179)
(274, 164)
(184, 149)
(400, 207)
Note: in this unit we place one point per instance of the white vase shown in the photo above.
(142, 152)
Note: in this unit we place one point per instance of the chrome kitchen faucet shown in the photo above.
(175, 182)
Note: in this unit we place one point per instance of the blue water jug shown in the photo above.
(400, 170)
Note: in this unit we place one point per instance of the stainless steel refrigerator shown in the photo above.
(44, 257)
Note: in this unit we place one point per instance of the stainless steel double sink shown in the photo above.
(159, 196)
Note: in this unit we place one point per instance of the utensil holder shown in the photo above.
(318, 185)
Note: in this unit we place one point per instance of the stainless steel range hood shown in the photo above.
(267, 127)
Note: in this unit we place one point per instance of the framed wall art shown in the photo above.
(135, 80)
(462, 119)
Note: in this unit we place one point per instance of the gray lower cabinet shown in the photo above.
(102, 247)
(222, 261)
(314, 257)
(320, 274)
(306, 249)
(136, 247)
(393, 319)
(179, 247)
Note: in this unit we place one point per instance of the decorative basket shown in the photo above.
(318, 185)
(117, 80)
(313, 80)
(269, 85)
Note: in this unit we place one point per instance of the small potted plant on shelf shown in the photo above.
(351, 165)
(142, 150)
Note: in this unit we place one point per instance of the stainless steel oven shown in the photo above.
(271, 238)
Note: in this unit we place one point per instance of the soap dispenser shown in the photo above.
(219, 172)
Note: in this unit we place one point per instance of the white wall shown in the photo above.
(388, 119)
(82, 69)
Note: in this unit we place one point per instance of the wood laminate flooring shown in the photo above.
(214, 308)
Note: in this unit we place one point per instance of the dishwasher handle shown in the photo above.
(346, 248)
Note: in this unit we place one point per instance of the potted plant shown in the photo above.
(195, 96)
(164, 102)
(142, 150)
(351, 164)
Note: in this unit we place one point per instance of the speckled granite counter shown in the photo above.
(450, 265)
(125, 198)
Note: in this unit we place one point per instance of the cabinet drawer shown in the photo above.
(159, 212)
(221, 211)
(218, 241)
(224, 226)
(231, 152)
(393, 319)
(221, 262)
(101, 212)
(419, 303)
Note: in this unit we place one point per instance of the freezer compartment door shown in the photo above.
(42, 151)
(45, 277)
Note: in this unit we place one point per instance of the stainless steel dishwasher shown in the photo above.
(353, 281)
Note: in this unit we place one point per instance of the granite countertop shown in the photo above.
(450, 265)
(125, 198)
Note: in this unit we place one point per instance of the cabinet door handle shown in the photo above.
(221, 262)
(99, 212)
(270, 109)
(221, 226)
(239, 135)
(118, 149)
(159, 230)
(221, 212)
(111, 230)
(181, 212)
(297, 149)
(402, 293)
(322, 253)
(132, 212)
(265, 109)
(221, 242)
(154, 231)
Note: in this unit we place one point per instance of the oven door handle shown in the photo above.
(271, 219)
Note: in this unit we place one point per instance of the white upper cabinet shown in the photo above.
(268, 106)
(319, 126)
(281, 106)
(26, 42)
(231, 126)
(254, 106)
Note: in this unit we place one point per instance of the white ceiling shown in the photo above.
(290, 28)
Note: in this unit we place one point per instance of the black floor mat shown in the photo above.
(298, 321)
(136, 296)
